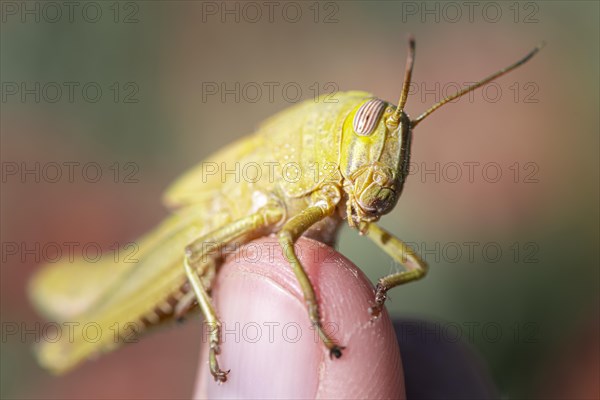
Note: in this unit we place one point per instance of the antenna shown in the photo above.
(394, 119)
(474, 86)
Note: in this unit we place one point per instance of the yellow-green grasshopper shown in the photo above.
(349, 155)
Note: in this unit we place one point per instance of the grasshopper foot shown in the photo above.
(336, 351)
(219, 375)
(380, 297)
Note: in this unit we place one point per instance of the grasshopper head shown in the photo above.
(375, 154)
(376, 147)
(374, 160)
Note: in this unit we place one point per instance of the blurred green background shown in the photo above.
(533, 308)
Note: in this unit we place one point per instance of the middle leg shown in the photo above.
(289, 233)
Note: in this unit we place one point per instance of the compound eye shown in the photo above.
(365, 119)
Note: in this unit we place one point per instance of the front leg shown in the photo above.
(289, 233)
(416, 268)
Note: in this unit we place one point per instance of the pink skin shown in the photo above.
(273, 353)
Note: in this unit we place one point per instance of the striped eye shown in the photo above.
(367, 116)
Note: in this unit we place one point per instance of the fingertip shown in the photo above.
(270, 345)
